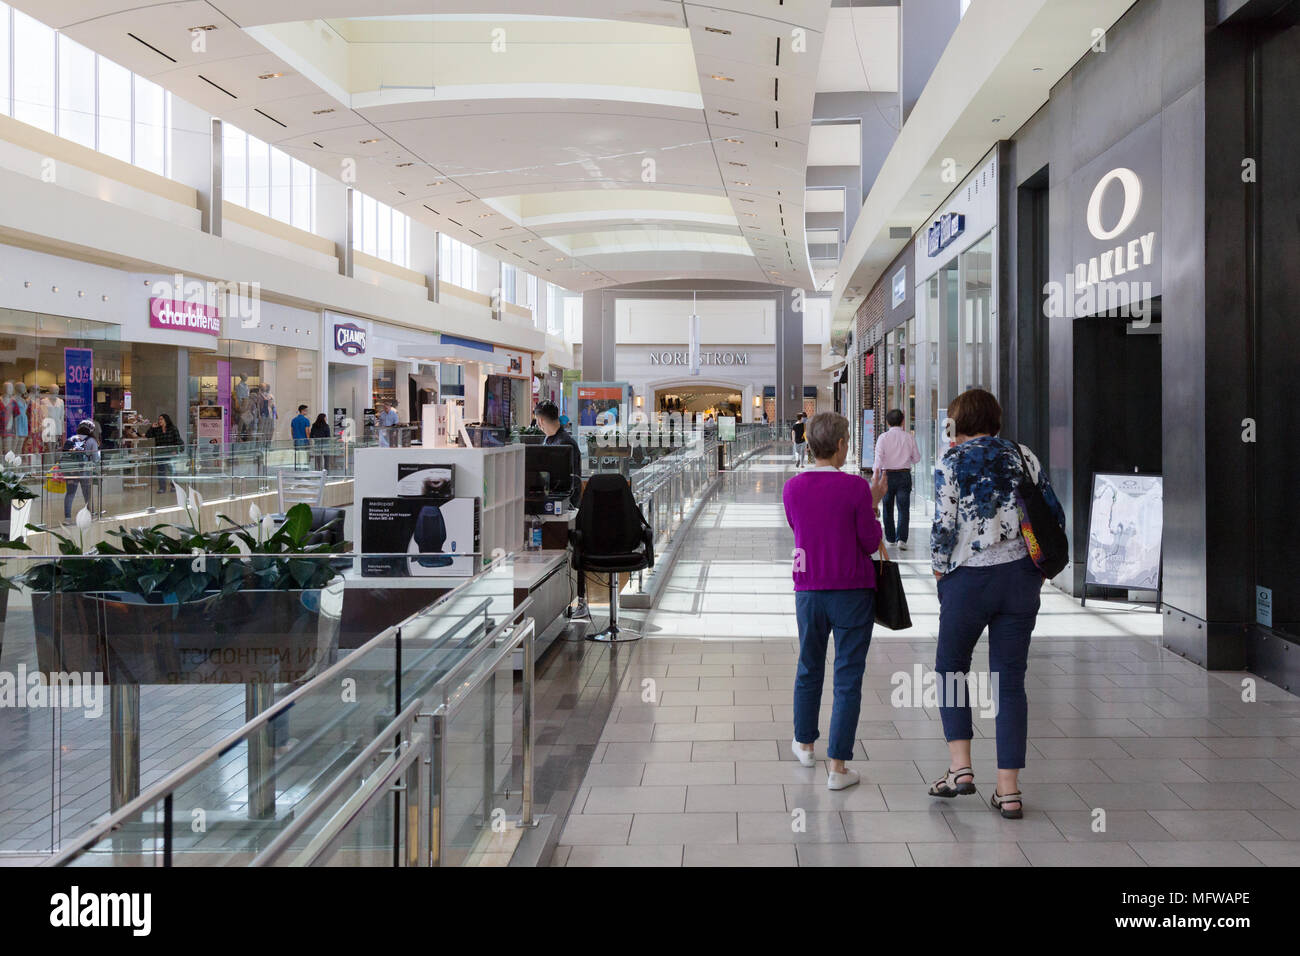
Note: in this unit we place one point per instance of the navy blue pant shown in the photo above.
(849, 615)
(1004, 598)
(898, 492)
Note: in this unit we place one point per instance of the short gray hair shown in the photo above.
(824, 431)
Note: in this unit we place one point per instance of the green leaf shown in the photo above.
(297, 524)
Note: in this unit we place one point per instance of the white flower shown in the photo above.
(84, 522)
(180, 495)
(196, 510)
(254, 513)
(12, 459)
(268, 528)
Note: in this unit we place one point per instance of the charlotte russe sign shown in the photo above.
(706, 358)
(184, 316)
(349, 339)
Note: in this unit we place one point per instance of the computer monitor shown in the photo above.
(555, 460)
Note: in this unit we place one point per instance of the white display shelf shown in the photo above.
(493, 475)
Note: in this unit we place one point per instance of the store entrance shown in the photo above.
(701, 399)
(1117, 405)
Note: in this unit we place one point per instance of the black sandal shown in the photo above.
(948, 786)
(1000, 798)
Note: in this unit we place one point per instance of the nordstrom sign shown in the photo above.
(706, 358)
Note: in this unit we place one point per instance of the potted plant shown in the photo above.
(173, 604)
(531, 435)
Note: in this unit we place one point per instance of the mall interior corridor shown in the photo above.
(1136, 757)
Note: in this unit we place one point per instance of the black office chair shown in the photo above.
(610, 536)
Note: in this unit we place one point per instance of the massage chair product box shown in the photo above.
(420, 537)
(426, 481)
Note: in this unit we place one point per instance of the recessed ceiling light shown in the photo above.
(728, 112)
(722, 77)
(438, 183)
(743, 199)
(404, 165)
(751, 214)
(725, 33)
(1038, 69)
(205, 27)
(270, 76)
(732, 162)
(365, 142)
(736, 182)
(559, 258)
(485, 215)
(461, 202)
(732, 139)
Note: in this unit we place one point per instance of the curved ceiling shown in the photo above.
(606, 141)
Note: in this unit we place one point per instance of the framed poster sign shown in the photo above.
(1125, 532)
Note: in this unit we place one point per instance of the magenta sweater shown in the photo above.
(835, 530)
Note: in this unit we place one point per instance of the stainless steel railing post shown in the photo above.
(526, 722)
(437, 786)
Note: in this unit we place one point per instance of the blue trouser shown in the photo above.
(70, 493)
(850, 615)
(1004, 598)
(899, 491)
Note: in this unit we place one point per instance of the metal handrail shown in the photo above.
(191, 769)
(304, 817)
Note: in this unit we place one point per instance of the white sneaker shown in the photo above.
(805, 757)
(902, 546)
(842, 781)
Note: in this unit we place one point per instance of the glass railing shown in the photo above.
(206, 705)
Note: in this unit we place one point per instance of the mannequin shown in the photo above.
(57, 414)
(21, 409)
(9, 403)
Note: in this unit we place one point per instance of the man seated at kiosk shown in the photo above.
(548, 420)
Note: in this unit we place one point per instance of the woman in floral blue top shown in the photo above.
(986, 579)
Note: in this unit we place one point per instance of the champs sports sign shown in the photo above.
(349, 339)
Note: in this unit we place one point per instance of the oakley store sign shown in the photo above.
(1114, 233)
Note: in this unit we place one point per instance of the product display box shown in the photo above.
(441, 537)
(426, 481)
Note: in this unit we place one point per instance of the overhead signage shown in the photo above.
(184, 316)
(78, 387)
(899, 288)
(349, 339)
(1132, 252)
(944, 230)
(705, 358)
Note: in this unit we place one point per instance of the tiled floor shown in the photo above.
(1136, 757)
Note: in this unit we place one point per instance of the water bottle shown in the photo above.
(533, 542)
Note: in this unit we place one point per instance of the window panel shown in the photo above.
(383, 232)
(304, 194)
(76, 92)
(281, 185)
(33, 72)
(114, 110)
(150, 126)
(356, 219)
(234, 166)
(4, 59)
(369, 225)
(259, 176)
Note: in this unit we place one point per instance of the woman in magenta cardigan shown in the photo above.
(833, 515)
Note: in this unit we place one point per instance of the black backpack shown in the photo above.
(1049, 548)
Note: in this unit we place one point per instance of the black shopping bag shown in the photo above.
(891, 601)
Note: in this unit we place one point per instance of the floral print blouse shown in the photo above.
(975, 501)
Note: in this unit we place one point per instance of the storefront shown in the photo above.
(951, 342)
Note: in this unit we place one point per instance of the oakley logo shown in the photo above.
(1132, 187)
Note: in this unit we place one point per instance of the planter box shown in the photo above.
(249, 637)
(531, 439)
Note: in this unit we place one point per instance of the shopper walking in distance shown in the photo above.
(896, 453)
(81, 457)
(166, 438)
(833, 515)
(986, 580)
(799, 437)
